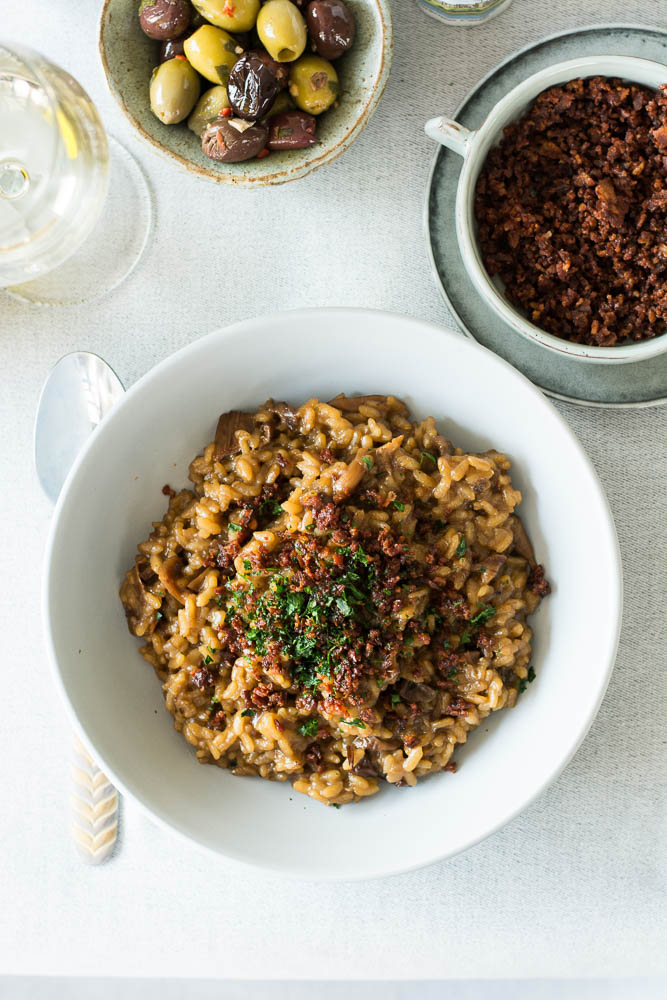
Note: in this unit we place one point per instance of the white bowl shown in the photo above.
(113, 493)
(474, 148)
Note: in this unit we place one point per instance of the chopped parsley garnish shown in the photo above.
(309, 727)
(207, 660)
(233, 526)
(395, 699)
(524, 682)
(270, 506)
(343, 606)
(246, 713)
(247, 565)
(438, 620)
(483, 616)
(427, 454)
(368, 462)
(316, 625)
(399, 505)
(476, 621)
(336, 805)
(355, 722)
(452, 673)
(461, 548)
(158, 615)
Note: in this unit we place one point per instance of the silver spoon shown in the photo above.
(77, 394)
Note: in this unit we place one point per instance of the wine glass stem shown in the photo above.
(14, 179)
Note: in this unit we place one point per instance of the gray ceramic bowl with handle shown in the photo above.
(474, 148)
(129, 57)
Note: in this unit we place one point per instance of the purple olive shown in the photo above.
(164, 19)
(292, 130)
(231, 140)
(331, 27)
(251, 87)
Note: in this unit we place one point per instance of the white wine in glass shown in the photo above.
(75, 209)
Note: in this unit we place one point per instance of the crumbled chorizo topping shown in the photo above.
(572, 211)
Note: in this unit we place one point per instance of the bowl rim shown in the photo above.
(473, 163)
(609, 644)
(381, 78)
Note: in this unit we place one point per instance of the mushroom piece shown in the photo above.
(144, 569)
(140, 613)
(522, 542)
(418, 693)
(229, 423)
(168, 573)
(350, 403)
(492, 566)
(347, 482)
(385, 453)
(375, 745)
(443, 445)
(365, 766)
(285, 413)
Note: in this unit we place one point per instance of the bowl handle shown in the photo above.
(449, 133)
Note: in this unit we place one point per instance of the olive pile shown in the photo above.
(267, 89)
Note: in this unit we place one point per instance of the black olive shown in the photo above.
(171, 48)
(279, 70)
(331, 27)
(251, 87)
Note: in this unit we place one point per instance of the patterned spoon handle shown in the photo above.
(94, 808)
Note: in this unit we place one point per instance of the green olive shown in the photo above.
(174, 90)
(313, 83)
(209, 106)
(282, 30)
(233, 15)
(212, 52)
(283, 102)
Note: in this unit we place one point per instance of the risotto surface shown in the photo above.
(340, 599)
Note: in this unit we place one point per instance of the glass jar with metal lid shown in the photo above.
(463, 12)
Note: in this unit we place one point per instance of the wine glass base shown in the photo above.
(113, 249)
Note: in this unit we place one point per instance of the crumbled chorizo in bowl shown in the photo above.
(571, 209)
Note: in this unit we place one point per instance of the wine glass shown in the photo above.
(75, 208)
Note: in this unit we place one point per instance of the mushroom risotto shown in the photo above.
(340, 598)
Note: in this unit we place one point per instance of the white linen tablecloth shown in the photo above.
(573, 887)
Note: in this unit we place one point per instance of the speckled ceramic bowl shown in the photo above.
(128, 58)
